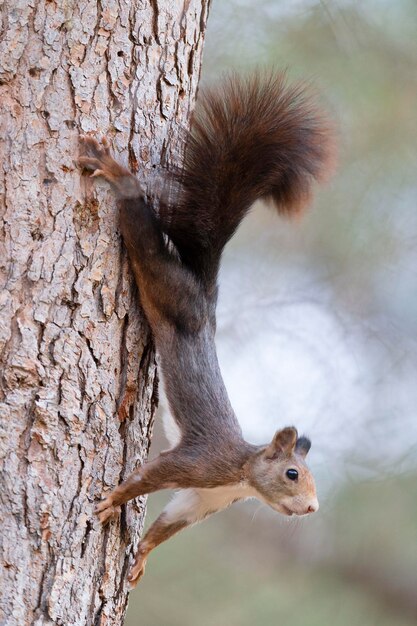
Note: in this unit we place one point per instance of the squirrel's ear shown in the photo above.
(302, 446)
(284, 442)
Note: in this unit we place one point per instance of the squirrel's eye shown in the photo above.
(292, 474)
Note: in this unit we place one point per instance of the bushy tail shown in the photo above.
(250, 138)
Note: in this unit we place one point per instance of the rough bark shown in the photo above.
(78, 375)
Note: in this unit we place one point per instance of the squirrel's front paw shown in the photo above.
(106, 510)
(136, 571)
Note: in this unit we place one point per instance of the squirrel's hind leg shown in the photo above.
(170, 293)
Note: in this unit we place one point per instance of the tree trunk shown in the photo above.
(78, 376)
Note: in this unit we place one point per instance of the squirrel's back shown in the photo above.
(250, 138)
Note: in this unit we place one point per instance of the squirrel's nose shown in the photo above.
(313, 507)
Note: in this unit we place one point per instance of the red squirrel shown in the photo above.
(249, 139)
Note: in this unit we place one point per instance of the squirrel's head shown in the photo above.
(280, 476)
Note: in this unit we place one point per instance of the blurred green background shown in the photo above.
(318, 327)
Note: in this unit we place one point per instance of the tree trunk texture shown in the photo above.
(78, 375)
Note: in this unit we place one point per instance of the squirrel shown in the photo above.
(250, 138)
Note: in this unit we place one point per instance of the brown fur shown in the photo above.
(250, 139)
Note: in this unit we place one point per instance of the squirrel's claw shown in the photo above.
(97, 173)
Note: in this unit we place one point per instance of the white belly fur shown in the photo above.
(193, 505)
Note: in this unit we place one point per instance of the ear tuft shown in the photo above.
(303, 446)
(283, 443)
